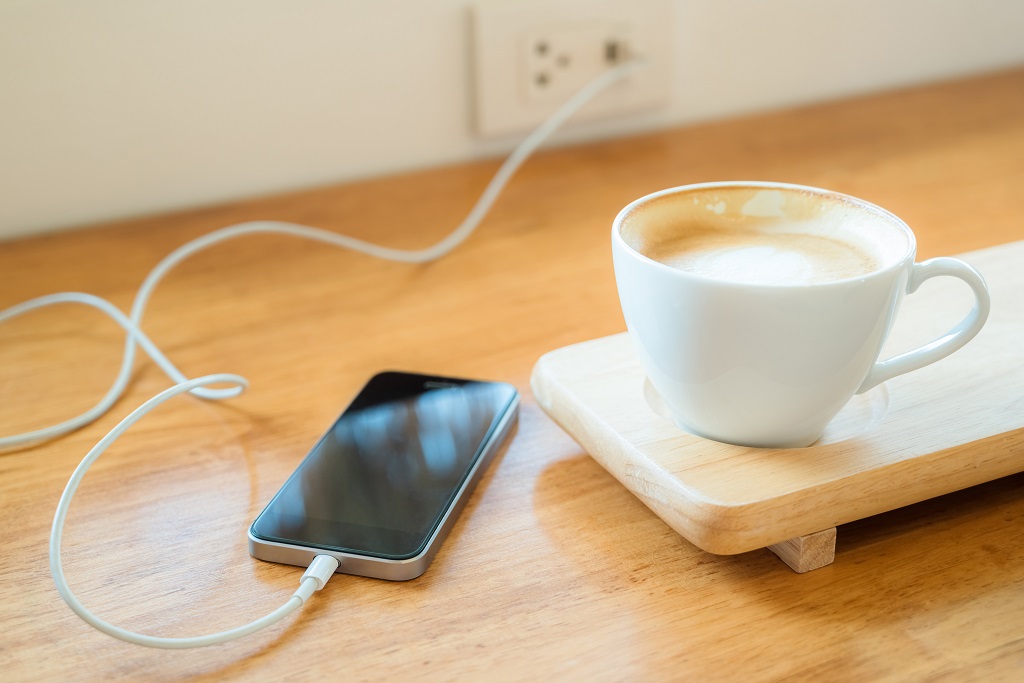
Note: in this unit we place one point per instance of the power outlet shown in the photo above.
(531, 55)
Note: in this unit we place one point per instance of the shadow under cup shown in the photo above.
(758, 309)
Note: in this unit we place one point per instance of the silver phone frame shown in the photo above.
(383, 568)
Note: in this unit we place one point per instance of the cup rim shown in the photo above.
(619, 242)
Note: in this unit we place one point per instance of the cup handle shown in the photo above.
(962, 333)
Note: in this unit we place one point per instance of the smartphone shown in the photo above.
(382, 488)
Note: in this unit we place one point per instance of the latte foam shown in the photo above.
(756, 257)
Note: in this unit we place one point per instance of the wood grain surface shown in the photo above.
(555, 571)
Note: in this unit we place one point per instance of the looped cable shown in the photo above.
(311, 582)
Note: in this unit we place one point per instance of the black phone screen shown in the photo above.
(379, 481)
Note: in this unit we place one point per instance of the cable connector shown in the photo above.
(321, 569)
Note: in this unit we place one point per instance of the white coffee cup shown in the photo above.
(759, 309)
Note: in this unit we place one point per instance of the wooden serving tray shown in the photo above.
(954, 424)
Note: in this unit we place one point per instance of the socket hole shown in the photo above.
(562, 61)
(541, 48)
(541, 79)
(612, 53)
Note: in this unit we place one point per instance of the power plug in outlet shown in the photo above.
(531, 55)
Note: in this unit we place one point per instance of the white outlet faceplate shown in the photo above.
(531, 55)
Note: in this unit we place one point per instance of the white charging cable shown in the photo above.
(323, 566)
(454, 239)
(316, 576)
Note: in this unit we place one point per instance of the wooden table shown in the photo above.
(555, 571)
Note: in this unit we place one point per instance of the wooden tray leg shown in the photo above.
(805, 553)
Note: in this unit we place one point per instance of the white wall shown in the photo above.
(112, 108)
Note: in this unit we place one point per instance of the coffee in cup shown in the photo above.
(759, 309)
